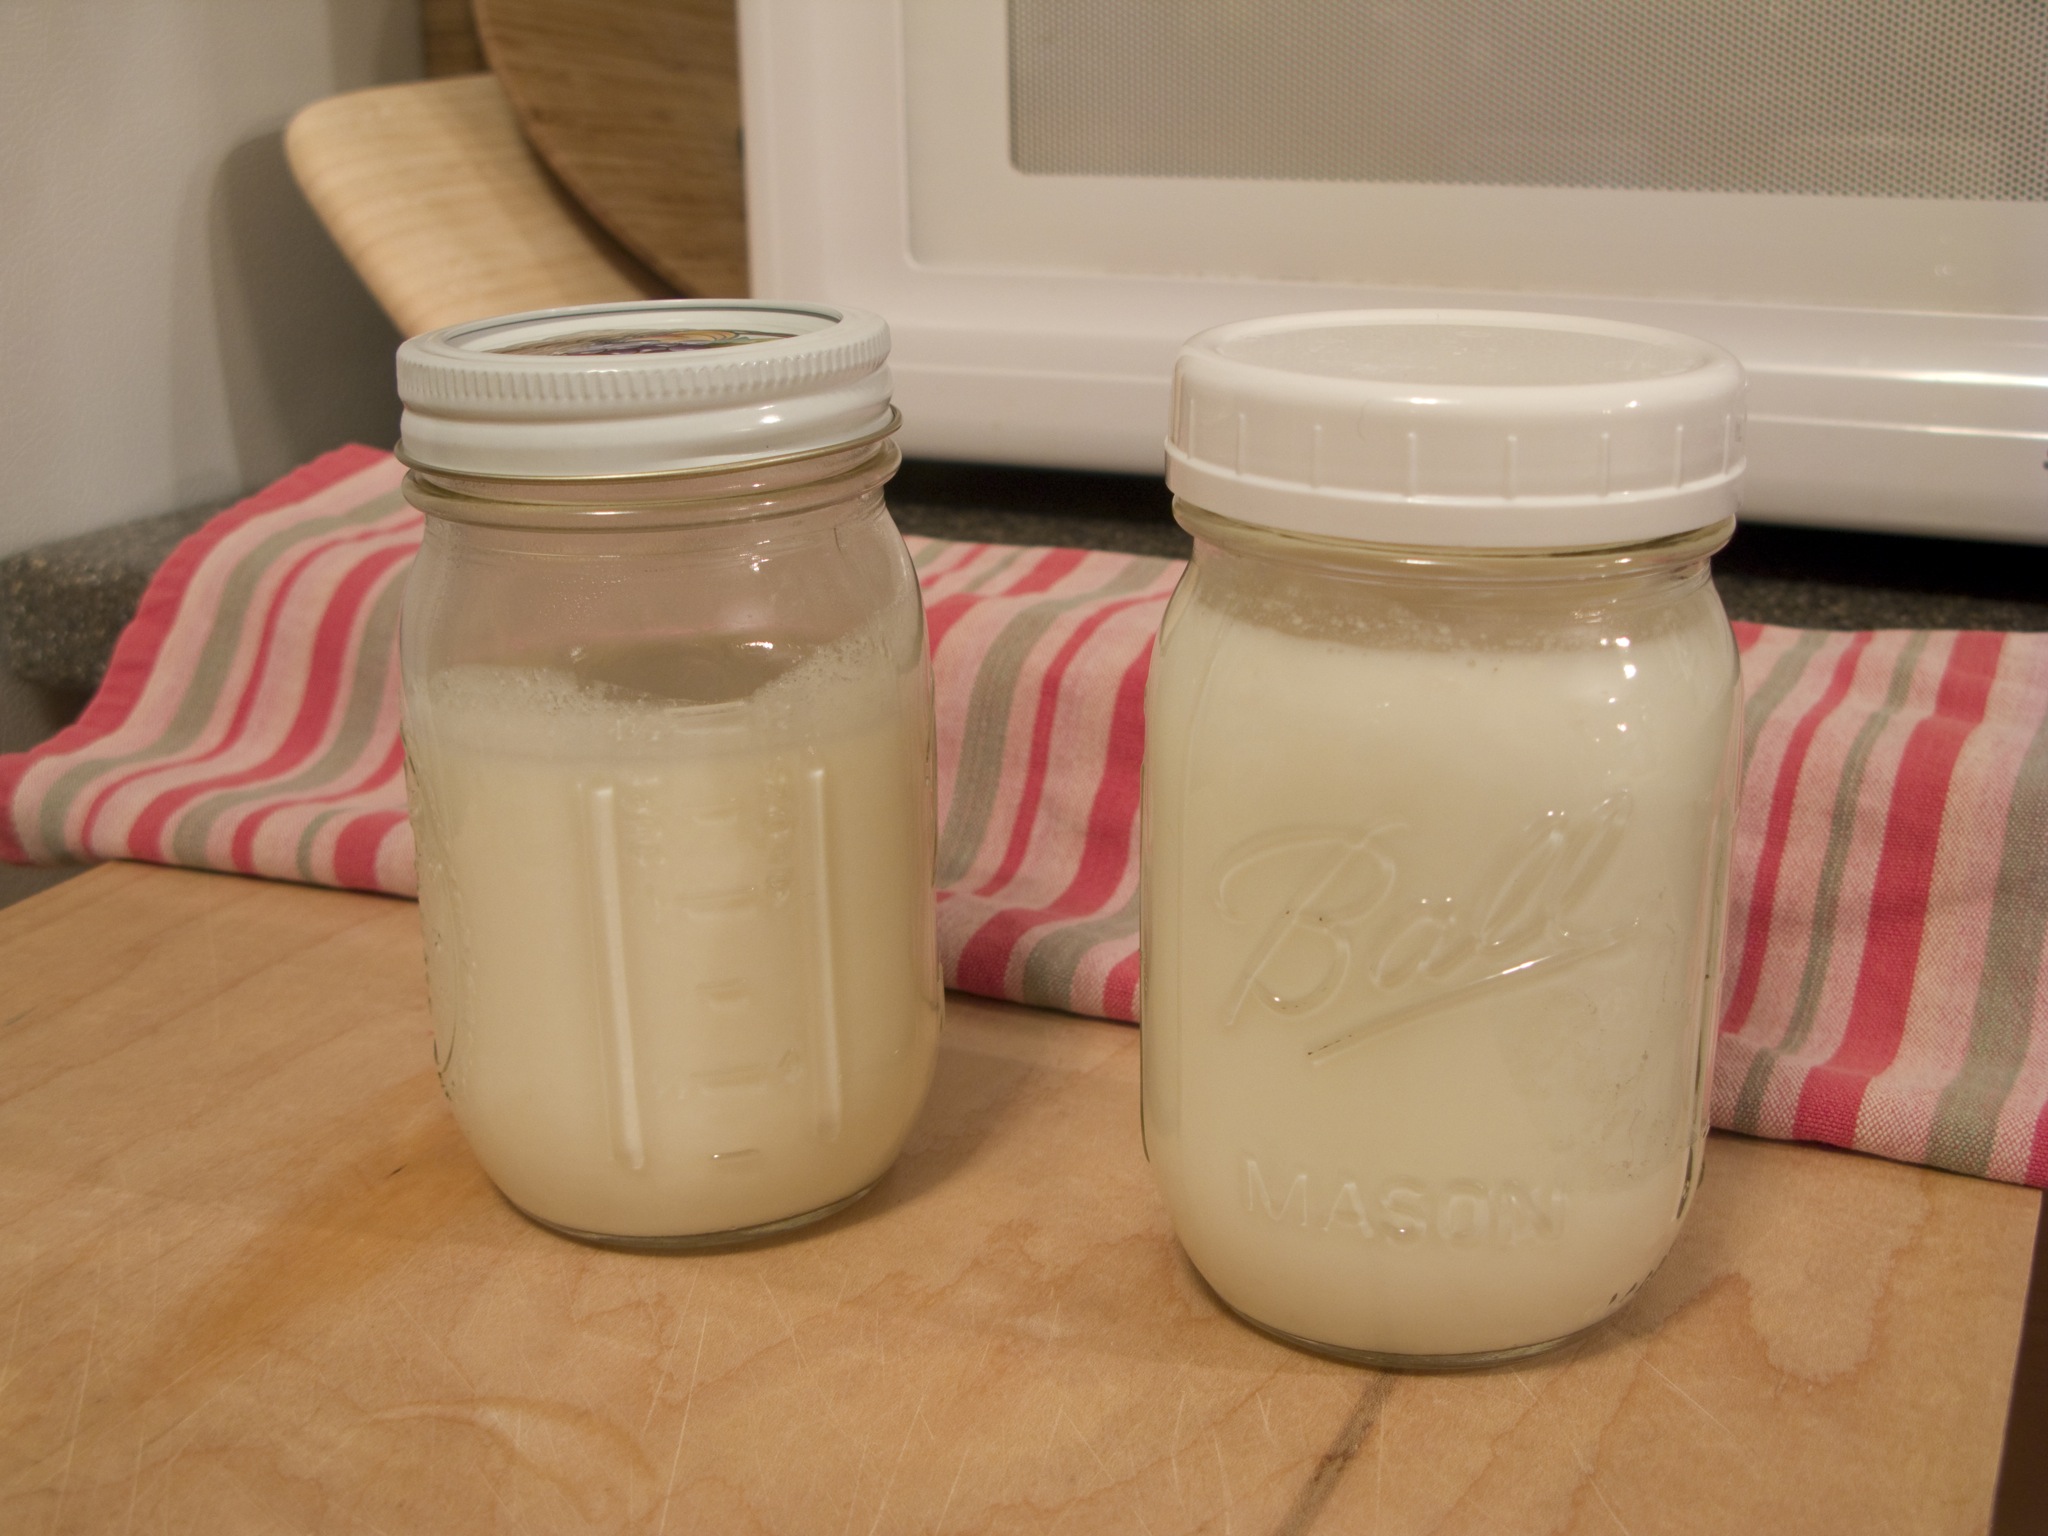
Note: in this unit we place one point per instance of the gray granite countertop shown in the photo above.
(63, 604)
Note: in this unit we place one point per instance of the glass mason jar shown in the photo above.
(1441, 764)
(668, 728)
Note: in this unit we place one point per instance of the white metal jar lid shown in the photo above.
(1458, 428)
(642, 388)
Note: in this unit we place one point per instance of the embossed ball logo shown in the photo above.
(1341, 923)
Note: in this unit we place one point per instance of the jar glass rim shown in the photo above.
(653, 477)
(743, 491)
(1561, 562)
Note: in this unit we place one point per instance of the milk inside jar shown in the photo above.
(675, 944)
(668, 732)
(1436, 832)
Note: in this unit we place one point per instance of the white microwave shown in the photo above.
(1046, 197)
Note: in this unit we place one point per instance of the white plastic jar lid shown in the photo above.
(640, 388)
(1458, 428)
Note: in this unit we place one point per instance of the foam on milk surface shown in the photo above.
(1428, 942)
(678, 911)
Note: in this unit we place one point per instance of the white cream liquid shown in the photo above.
(1428, 939)
(680, 955)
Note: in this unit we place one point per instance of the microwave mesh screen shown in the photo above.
(1858, 98)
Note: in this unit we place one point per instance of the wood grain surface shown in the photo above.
(251, 1280)
(636, 106)
(444, 210)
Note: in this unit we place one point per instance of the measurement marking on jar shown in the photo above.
(728, 995)
(628, 1145)
(830, 1111)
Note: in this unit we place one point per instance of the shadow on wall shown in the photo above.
(374, 43)
(305, 351)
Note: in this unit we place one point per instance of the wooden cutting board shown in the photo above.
(251, 1279)
(435, 196)
(635, 104)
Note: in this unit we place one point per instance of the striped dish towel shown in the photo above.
(1885, 980)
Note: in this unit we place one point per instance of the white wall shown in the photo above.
(174, 324)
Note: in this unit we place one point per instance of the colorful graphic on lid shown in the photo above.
(637, 343)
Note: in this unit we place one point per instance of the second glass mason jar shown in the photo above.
(668, 727)
(1441, 763)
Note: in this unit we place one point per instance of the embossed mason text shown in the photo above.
(1465, 1213)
